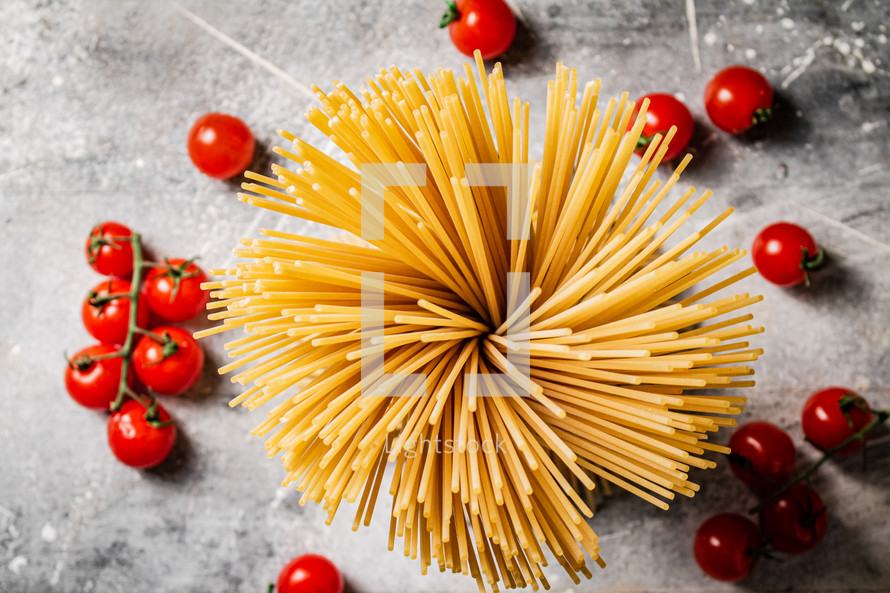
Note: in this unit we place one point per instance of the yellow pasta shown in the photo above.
(535, 332)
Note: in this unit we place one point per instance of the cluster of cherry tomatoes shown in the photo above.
(792, 514)
(120, 313)
(736, 98)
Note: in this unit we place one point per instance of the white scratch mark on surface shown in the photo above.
(802, 63)
(19, 171)
(838, 224)
(247, 53)
(846, 5)
(693, 34)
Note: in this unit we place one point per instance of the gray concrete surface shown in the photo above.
(96, 98)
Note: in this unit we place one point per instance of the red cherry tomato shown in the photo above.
(833, 415)
(737, 98)
(107, 321)
(783, 254)
(133, 439)
(94, 383)
(486, 25)
(794, 521)
(107, 255)
(663, 112)
(763, 455)
(174, 291)
(725, 546)
(169, 366)
(220, 145)
(310, 573)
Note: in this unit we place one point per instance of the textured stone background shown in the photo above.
(96, 98)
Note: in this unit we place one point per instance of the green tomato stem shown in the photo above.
(451, 15)
(126, 350)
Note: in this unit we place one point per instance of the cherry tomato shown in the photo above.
(171, 365)
(486, 25)
(794, 521)
(107, 255)
(133, 439)
(94, 383)
(784, 252)
(174, 291)
(664, 111)
(763, 455)
(833, 415)
(310, 573)
(107, 321)
(725, 546)
(220, 145)
(737, 98)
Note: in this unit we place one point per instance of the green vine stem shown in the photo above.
(133, 329)
(879, 417)
(127, 348)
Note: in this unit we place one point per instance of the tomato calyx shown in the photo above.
(814, 262)
(169, 347)
(98, 241)
(643, 142)
(451, 15)
(99, 302)
(178, 273)
(811, 263)
(761, 115)
(85, 361)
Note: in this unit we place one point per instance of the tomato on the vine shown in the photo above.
(171, 364)
(763, 455)
(174, 292)
(726, 546)
(310, 573)
(663, 112)
(94, 383)
(107, 319)
(737, 98)
(833, 415)
(106, 253)
(135, 441)
(220, 145)
(486, 25)
(783, 253)
(795, 520)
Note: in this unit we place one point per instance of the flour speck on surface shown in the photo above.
(49, 533)
(750, 53)
(787, 23)
(17, 564)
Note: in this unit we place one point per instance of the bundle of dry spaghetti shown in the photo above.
(504, 333)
